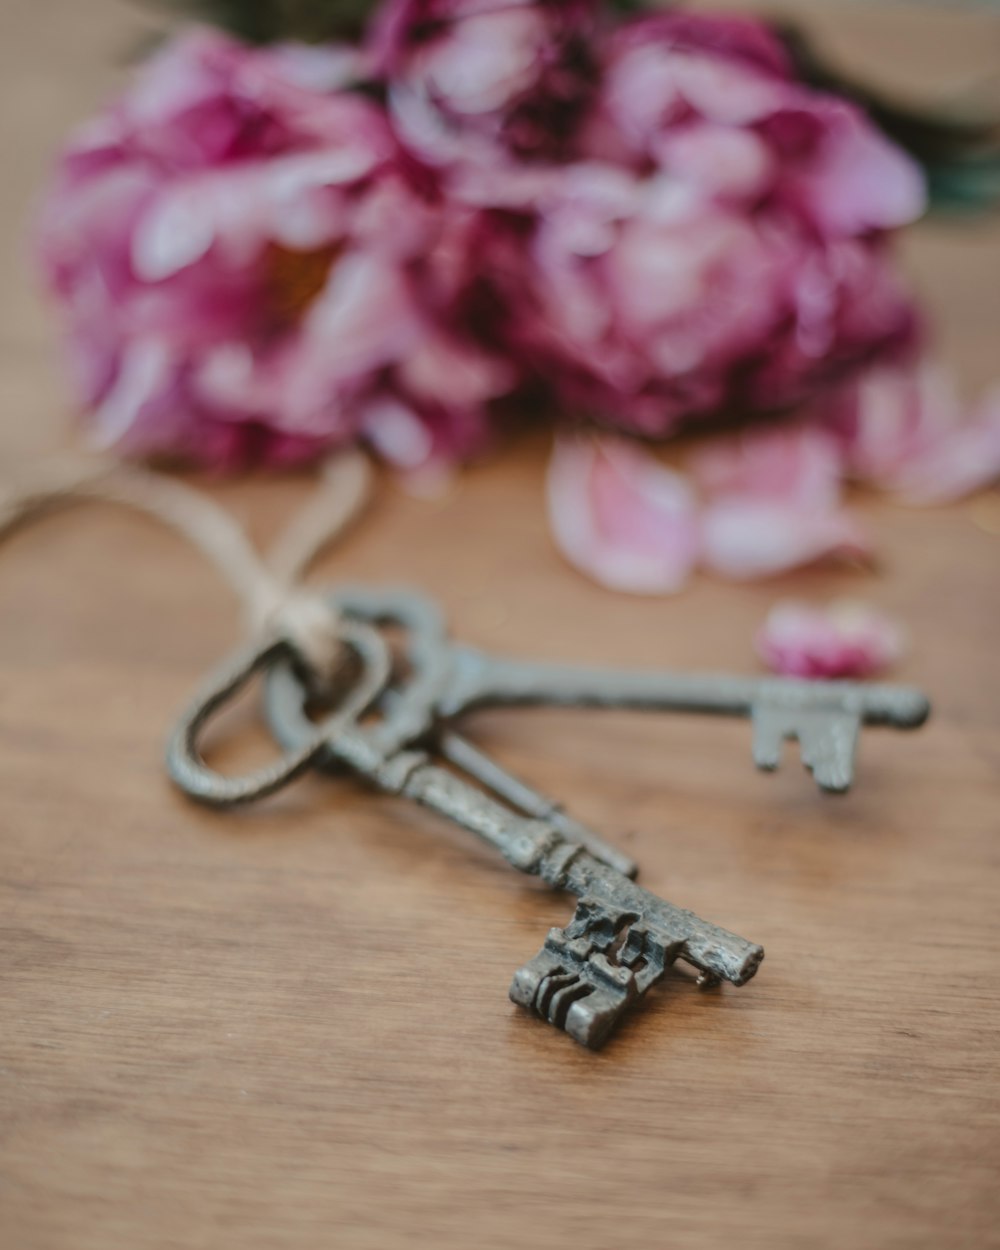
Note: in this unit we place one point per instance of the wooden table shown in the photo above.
(270, 1029)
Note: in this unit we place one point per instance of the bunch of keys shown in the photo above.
(395, 728)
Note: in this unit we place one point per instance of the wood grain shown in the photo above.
(269, 1029)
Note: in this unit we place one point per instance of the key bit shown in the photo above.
(828, 738)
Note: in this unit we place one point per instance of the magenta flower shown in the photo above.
(478, 88)
(237, 249)
(845, 639)
(649, 222)
(723, 244)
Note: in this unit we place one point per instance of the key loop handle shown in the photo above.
(184, 760)
(413, 709)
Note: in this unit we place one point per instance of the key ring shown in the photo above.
(425, 652)
(185, 763)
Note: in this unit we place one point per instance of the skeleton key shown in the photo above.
(622, 939)
(825, 716)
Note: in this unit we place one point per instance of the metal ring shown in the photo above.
(188, 769)
(411, 711)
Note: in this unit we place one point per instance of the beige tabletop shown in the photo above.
(290, 1027)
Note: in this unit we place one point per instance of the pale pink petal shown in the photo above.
(963, 460)
(362, 319)
(489, 59)
(845, 639)
(724, 92)
(620, 517)
(798, 464)
(860, 180)
(173, 234)
(421, 437)
(904, 429)
(746, 537)
(452, 373)
(397, 433)
(318, 67)
(890, 416)
(718, 160)
(290, 199)
(146, 369)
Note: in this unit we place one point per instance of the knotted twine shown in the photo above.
(275, 604)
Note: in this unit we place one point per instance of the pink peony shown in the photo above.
(242, 261)
(676, 83)
(721, 242)
(479, 86)
(843, 640)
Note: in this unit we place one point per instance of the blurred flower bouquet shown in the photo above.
(473, 210)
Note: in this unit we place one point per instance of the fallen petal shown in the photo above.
(904, 429)
(793, 463)
(964, 460)
(890, 417)
(745, 537)
(620, 517)
(845, 639)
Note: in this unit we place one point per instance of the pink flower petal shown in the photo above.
(773, 501)
(146, 370)
(845, 639)
(746, 537)
(455, 374)
(904, 429)
(859, 180)
(718, 160)
(798, 464)
(965, 459)
(620, 517)
(885, 418)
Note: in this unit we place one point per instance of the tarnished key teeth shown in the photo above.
(587, 975)
(827, 736)
(826, 718)
(612, 989)
(583, 997)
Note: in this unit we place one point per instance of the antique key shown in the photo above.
(451, 679)
(622, 939)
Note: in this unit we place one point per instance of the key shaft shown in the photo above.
(459, 751)
(480, 679)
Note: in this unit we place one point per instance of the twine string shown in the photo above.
(274, 601)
